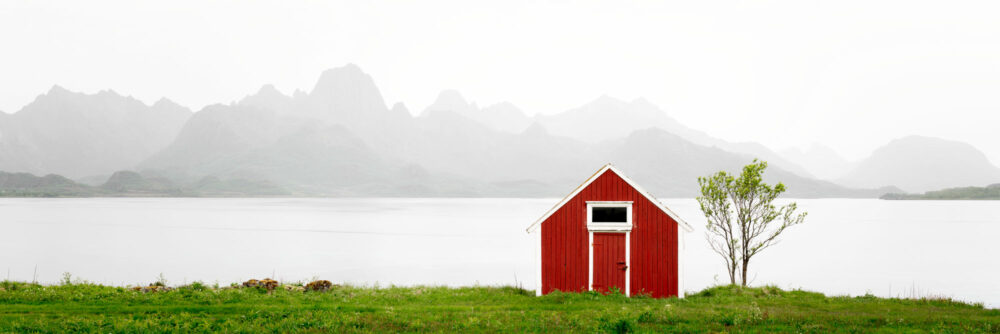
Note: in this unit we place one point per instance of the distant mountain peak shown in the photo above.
(337, 75)
(352, 67)
(57, 89)
(400, 108)
(345, 94)
(341, 77)
(268, 89)
(349, 67)
(110, 92)
(921, 163)
(267, 97)
(918, 142)
(450, 100)
(502, 116)
(451, 95)
(164, 103)
(57, 98)
(606, 99)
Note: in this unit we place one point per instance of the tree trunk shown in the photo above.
(744, 277)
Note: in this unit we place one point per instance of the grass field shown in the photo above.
(197, 308)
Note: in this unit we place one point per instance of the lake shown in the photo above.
(846, 246)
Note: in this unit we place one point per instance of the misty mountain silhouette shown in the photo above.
(608, 118)
(504, 116)
(340, 139)
(920, 164)
(79, 135)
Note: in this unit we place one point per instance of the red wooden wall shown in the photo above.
(653, 241)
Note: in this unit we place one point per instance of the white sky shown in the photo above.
(850, 75)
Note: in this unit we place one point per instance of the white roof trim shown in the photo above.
(606, 168)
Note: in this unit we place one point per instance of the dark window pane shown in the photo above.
(610, 215)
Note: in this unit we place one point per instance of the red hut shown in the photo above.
(609, 233)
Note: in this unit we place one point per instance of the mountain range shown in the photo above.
(341, 139)
(920, 164)
(79, 135)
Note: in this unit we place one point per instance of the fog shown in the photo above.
(850, 75)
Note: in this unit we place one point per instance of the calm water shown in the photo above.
(887, 248)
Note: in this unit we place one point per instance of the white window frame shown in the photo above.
(625, 228)
(609, 227)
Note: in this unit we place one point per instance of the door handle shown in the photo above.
(625, 268)
(621, 262)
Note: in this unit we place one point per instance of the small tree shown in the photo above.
(742, 221)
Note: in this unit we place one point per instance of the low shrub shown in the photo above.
(616, 325)
(195, 286)
(319, 285)
(646, 317)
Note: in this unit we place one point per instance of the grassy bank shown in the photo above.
(990, 192)
(197, 308)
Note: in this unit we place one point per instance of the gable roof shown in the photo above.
(594, 177)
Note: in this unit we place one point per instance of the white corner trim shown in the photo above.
(594, 177)
(680, 263)
(537, 239)
(590, 261)
(628, 263)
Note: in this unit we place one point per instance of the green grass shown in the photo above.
(196, 308)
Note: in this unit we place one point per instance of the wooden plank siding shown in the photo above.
(653, 242)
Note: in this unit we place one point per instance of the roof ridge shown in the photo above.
(656, 202)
